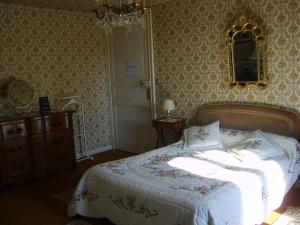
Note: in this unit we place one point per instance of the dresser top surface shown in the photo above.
(24, 116)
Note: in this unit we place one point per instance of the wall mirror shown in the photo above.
(246, 55)
(20, 94)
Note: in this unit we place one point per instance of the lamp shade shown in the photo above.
(168, 105)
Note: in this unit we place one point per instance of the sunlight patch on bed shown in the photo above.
(252, 177)
(215, 161)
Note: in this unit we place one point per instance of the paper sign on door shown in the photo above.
(131, 68)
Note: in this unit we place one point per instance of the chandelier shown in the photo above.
(122, 13)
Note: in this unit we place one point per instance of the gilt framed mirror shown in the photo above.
(246, 55)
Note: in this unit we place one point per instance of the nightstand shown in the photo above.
(176, 125)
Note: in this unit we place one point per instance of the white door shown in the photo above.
(132, 87)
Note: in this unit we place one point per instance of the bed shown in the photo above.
(185, 185)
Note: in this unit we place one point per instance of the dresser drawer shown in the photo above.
(60, 165)
(60, 159)
(34, 144)
(2, 174)
(40, 160)
(36, 125)
(55, 123)
(15, 148)
(61, 152)
(18, 167)
(58, 140)
(37, 144)
(40, 173)
(13, 131)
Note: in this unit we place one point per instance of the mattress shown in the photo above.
(183, 186)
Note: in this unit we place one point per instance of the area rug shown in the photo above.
(65, 196)
(79, 222)
(290, 217)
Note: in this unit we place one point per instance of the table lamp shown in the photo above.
(168, 106)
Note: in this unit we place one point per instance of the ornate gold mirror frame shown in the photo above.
(246, 55)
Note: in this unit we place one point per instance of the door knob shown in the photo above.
(145, 84)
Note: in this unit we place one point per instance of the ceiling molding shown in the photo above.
(85, 6)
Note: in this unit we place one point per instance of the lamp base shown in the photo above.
(169, 118)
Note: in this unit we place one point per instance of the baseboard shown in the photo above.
(99, 150)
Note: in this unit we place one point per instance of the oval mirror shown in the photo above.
(19, 93)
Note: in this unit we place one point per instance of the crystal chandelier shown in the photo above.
(122, 13)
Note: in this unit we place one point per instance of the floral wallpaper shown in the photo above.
(62, 53)
(59, 53)
(190, 52)
(70, 5)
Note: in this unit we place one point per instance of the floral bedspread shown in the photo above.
(176, 186)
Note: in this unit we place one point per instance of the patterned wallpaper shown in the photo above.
(62, 53)
(191, 54)
(59, 53)
(71, 5)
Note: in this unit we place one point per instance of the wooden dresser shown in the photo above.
(35, 145)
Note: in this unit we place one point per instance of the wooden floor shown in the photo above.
(291, 199)
(32, 203)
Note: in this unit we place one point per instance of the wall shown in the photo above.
(191, 53)
(59, 53)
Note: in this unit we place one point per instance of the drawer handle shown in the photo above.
(18, 130)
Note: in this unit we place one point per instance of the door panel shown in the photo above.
(133, 128)
(132, 89)
(129, 49)
(131, 96)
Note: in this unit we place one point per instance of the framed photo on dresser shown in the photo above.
(44, 104)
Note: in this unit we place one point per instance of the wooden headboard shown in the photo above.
(252, 117)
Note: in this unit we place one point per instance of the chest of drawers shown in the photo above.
(34, 145)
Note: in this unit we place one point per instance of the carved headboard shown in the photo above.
(252, 117)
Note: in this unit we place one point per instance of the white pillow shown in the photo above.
(232, 137)
(288, 145)
(203, 137)
(258, 146)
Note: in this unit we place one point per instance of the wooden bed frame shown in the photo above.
(252, 117)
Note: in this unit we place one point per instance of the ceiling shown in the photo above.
(71, 5)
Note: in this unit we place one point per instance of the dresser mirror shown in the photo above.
(20, 94)
(246, 55)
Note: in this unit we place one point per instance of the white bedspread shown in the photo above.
(175, 186)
